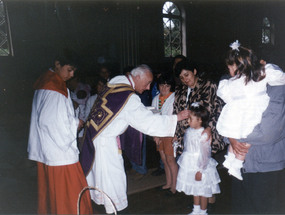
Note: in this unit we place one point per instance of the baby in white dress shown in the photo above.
(197, 174)
(245, 97)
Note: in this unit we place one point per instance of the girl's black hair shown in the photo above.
(166, 78)
(247, 64)
(202, 113)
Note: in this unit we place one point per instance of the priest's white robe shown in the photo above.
(108, 173)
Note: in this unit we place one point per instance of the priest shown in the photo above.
(117, 107)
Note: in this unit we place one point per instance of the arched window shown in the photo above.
(5, 36)
(267, 32)
(172, 29)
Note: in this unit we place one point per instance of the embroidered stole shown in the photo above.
(107, 106)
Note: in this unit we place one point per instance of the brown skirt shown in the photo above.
(166, 145)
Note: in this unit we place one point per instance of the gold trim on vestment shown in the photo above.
(103, 124)
(128, 87)
(110, 113)
(120, 85)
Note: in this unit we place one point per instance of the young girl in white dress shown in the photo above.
(245, 97)
(197, 174)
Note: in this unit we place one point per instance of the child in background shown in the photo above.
(245, 97)
(197, 174)
(164, 103)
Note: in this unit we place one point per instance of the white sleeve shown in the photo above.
(56, 118)
(205, 153)
(168, 105)
(224, 90)
(81, 114)
(89, 105)
(142, 119)
(274, 75)
(154, 102)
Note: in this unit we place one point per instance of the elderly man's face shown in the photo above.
(143, 82)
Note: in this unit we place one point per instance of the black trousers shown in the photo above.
(259, 193)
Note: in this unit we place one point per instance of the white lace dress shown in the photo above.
(196, 157)
(245, 103)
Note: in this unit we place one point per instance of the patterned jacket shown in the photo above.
(204, 93)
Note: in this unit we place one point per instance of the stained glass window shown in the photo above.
(172, 29)
(5, 36)
(267, 32)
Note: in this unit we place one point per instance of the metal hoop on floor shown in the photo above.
(93, 188)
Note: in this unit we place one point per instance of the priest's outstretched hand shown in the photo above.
(183, 115)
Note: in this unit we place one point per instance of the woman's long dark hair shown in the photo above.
(247, 64)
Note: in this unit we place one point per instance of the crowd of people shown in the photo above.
(79, 132)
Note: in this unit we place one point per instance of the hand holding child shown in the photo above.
(238, 147)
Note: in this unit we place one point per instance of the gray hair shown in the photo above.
(141, 70)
